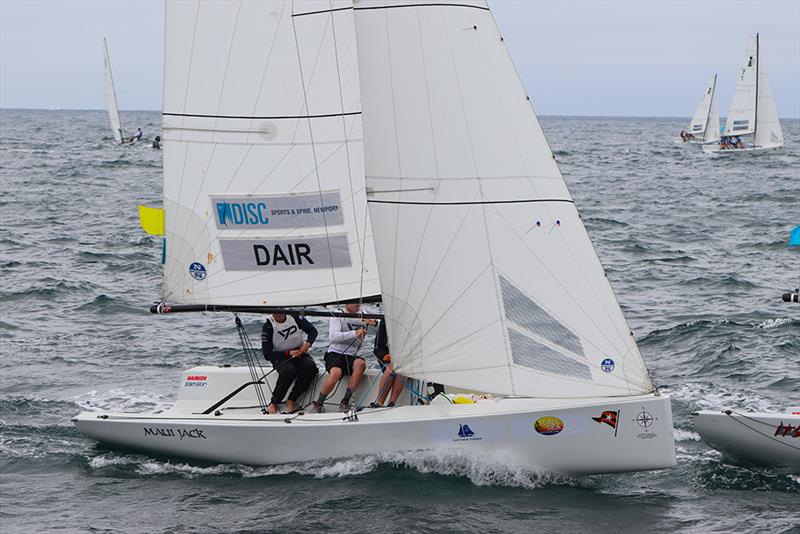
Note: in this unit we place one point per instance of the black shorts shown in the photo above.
(342, 361)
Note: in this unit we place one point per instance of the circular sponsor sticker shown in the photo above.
(197, 270)
(548, 425)
(607, 365)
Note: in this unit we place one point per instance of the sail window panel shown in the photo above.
(538, 356)
(528, 315)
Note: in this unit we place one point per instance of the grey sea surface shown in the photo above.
(695, 247)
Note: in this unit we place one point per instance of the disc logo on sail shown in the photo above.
(302, 210)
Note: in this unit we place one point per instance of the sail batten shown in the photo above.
(488, 277)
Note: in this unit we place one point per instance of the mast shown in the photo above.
(755, 113)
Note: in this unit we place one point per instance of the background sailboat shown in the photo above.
(752, 115)
(487, 275)
(704, 126)
(111, 96)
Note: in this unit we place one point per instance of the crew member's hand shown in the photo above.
(387, 358)
(361, 332)
(371, 322)
(296, 353)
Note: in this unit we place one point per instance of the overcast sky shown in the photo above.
(628, 58)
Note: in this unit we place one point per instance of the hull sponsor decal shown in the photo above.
(178, 433)
(787, 430)
(305, 210)
(196, 381)
(465, 433)
(548, 425)
(610, 418)
(285, 254)
(645, 420)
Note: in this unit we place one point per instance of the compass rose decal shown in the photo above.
(644, 419)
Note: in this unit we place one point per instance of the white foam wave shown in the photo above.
(685, 435)
(479, 469)
(124, 400)
(773, 323)
(710, 396)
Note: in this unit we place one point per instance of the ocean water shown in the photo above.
(695, 247)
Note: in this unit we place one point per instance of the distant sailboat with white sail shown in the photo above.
(752, 123)
(704, 126)
(111, 97)
(323, 152)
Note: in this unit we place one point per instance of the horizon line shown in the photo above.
(538, 114)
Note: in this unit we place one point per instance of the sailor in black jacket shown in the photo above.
(282, 344)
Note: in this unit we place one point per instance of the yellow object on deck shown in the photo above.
(152, 220)
(462, 399)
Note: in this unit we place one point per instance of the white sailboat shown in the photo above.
(752, 116)
(282, 123)
(111, 97)
(704, 126)
(771, 439)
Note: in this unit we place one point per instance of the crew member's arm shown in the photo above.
(311, 336)
(337, 335)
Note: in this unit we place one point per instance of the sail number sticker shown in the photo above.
(304, 210)
(285, 254)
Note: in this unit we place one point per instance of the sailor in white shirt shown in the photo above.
(341, 359)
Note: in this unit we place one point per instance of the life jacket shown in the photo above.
(286, 335)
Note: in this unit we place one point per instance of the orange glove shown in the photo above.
(387, 358)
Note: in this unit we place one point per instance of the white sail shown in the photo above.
(264, 188)
(711, 134)
(111, 96)
(488, 277)
(741, 118)
(768, 127)
(697, 126)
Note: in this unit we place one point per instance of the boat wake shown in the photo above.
(478, 469)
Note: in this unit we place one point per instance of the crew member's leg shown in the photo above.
(306, 371)
(397, 387)
(286, 375)
(387, 380)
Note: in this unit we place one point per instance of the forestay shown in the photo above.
(700, 121)
(111, 96)
(741, 118)
(488, 277)
(263, 159)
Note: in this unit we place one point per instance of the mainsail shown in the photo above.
(264, 187)
(111, 96)
(753, 107)
(488, 277)
(701, 119)
(741, 118)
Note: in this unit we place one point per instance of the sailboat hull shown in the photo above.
(761, 438)
(571, 436)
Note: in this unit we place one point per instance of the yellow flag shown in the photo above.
(152, 220)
